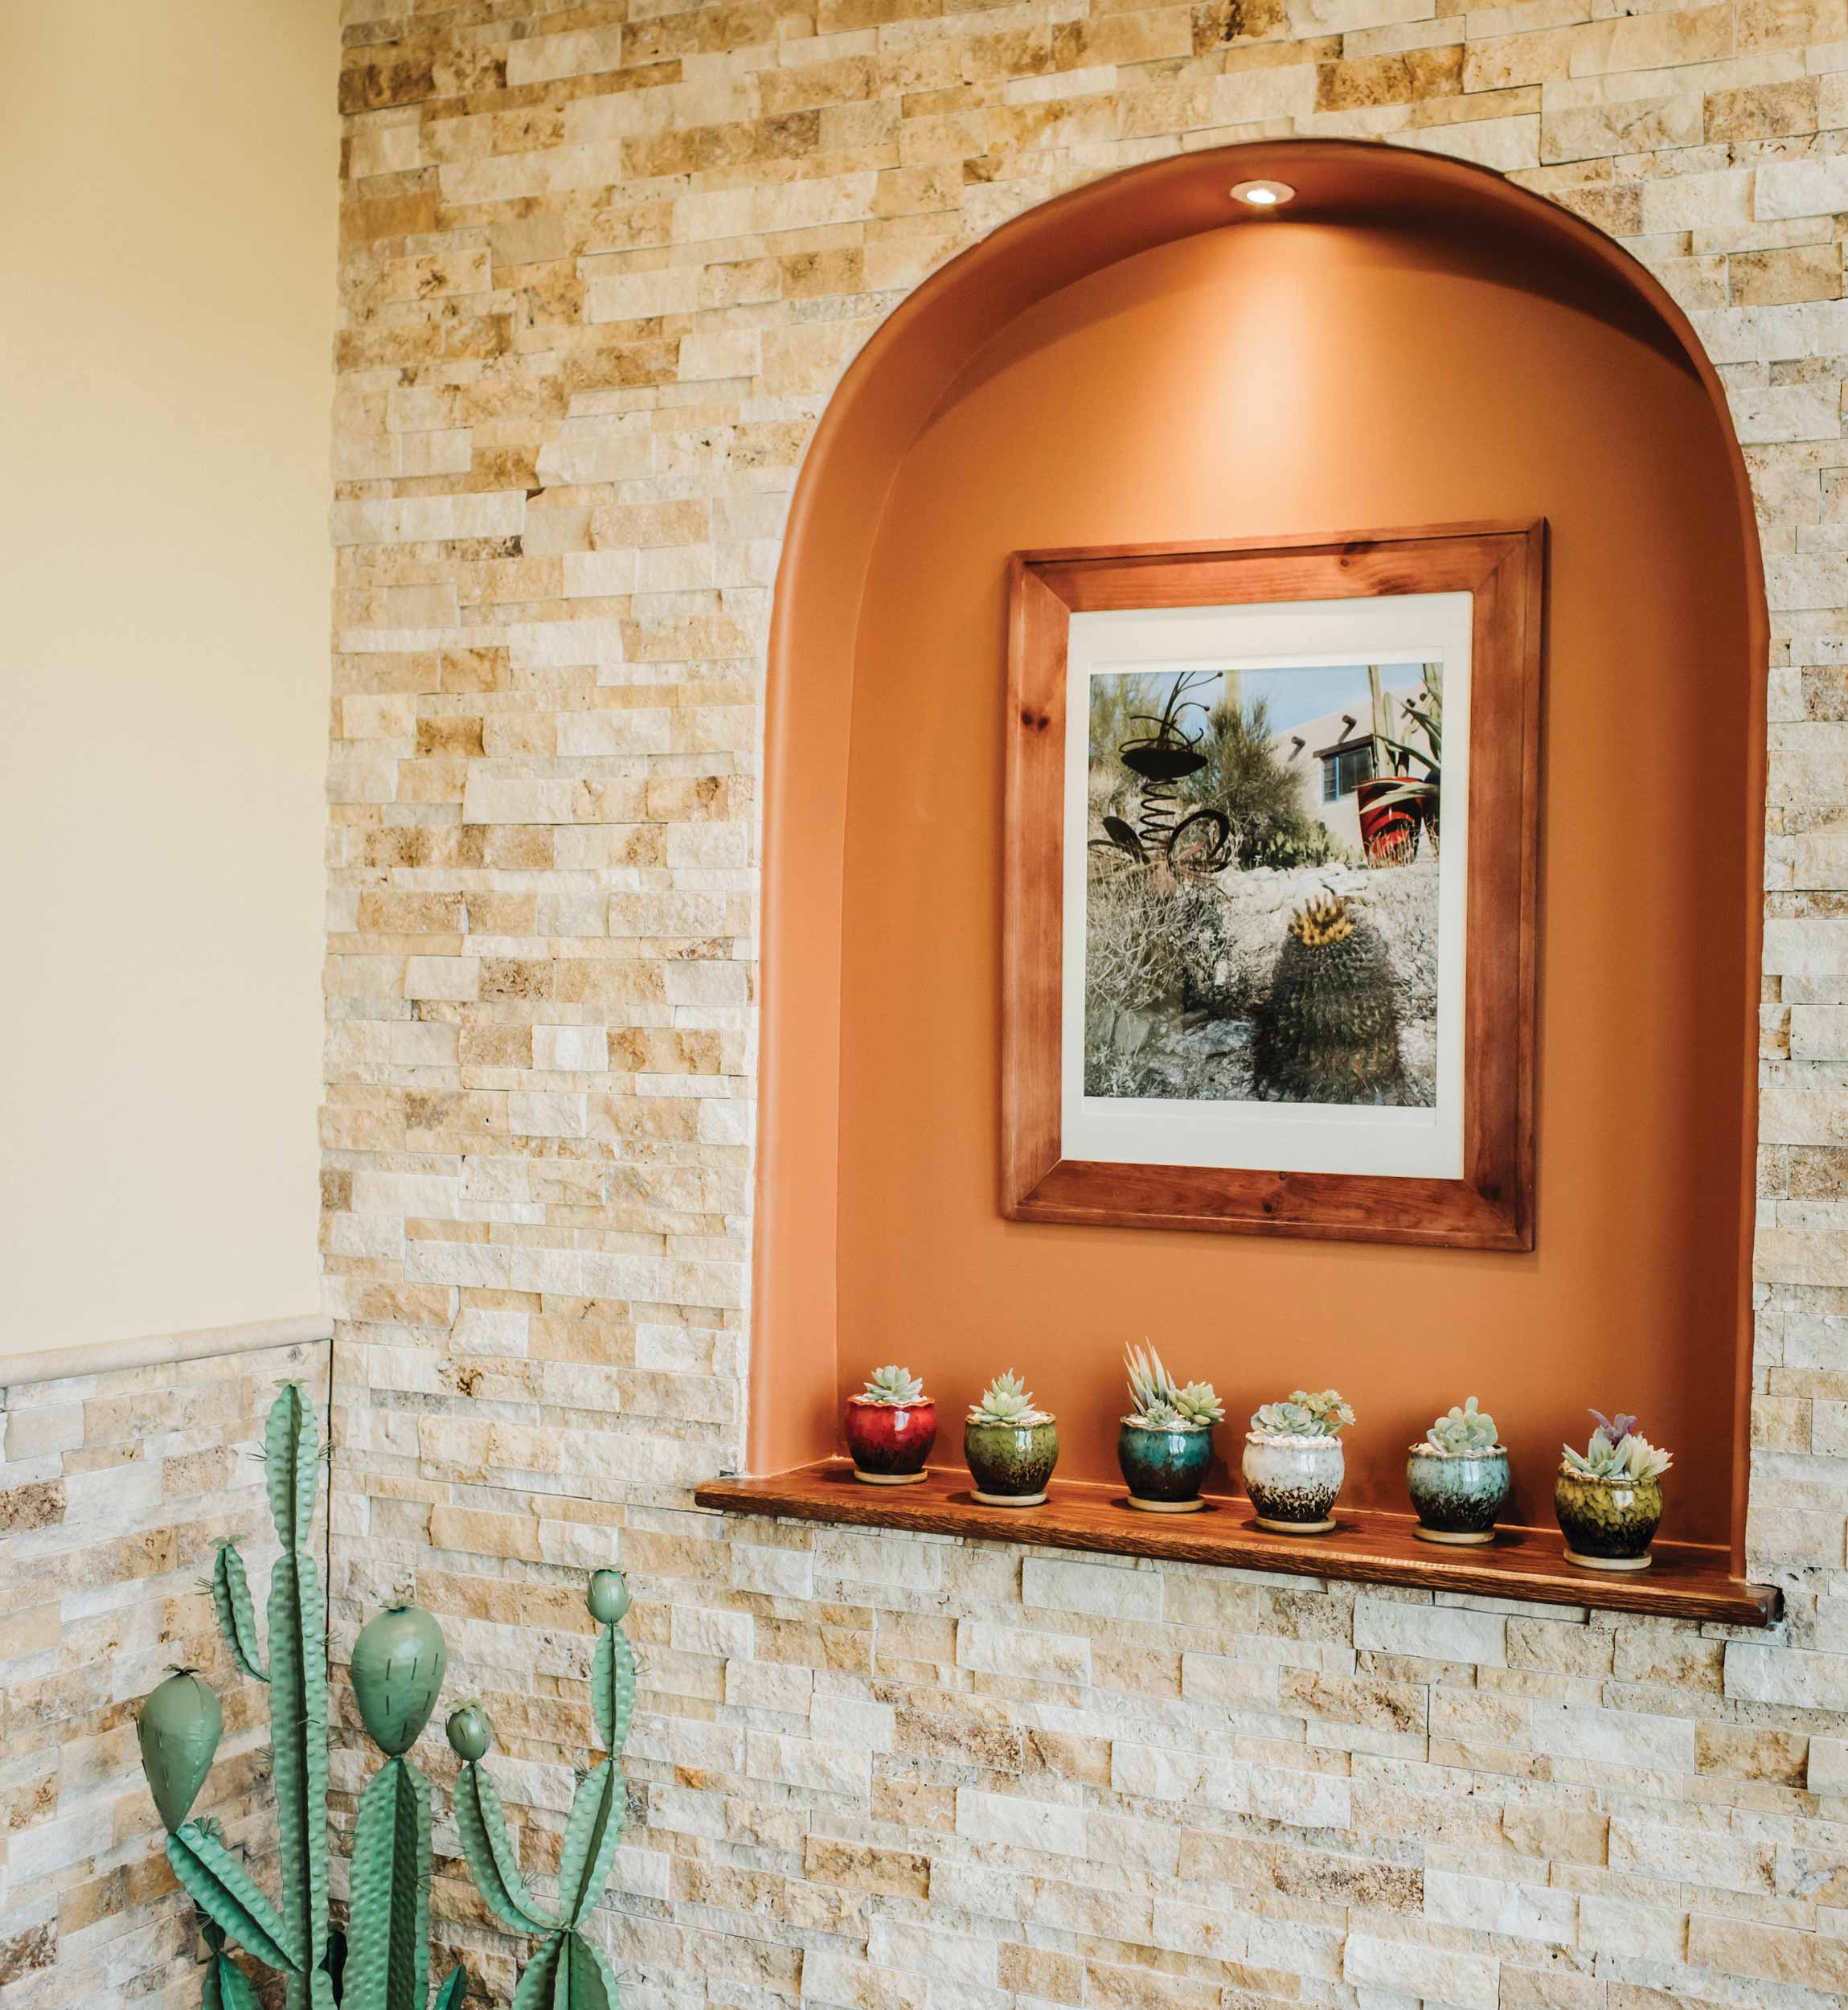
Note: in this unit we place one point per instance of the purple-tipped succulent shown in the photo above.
(1616, 1429)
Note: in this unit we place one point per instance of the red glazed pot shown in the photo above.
(890, 1442)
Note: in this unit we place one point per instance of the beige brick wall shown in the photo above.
(115, 1491)
(601, 269)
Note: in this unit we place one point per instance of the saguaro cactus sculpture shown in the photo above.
(398, 1669)
(399, 1662)
(569, 1971)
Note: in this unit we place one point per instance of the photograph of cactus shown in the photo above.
(1268, 915)
(1263, 900)
(1262, 870)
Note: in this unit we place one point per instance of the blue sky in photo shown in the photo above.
(1307, 692)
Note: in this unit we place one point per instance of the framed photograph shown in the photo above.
(1269, 939)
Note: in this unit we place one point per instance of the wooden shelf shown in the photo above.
(1685, 1583)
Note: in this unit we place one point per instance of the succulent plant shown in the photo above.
(1159, 1404)
(1308, 1413)
(1459, 1434)
(1006, 1401)
(1327, 1030)
(1617, 1451)
(892, 1385)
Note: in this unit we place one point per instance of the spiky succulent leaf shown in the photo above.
(1632, 1458)
(388, 1965)
(222, 1888)
(1149, 1381)
(237, 1615)
(496, 1870)
(893, 1385)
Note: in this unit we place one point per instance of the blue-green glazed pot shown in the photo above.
(1010, 1463)
(1458, 1498)
(1165, 1469)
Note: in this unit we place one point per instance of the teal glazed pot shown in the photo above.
(1165, 1470)
(1607, 1524)
(1010, 1463)
(1457, 1498)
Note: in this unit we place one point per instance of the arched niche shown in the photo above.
(1413, 340)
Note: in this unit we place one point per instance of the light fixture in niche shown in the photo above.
(1262, 195)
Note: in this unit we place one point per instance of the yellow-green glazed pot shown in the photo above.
(1010, 1463)
(1608, 1523)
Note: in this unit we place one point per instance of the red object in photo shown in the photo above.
(890, 1442)
(1389, 834)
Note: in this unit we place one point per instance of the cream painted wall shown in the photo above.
(167, 233)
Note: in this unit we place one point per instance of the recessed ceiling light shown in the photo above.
(1262, 195)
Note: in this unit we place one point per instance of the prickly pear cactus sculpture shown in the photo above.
(569, 1972)
(398, 1663)
(398, 1669)
(1327, 1031)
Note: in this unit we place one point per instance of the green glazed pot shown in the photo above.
(1607, 1524)
(398, 1665)
(1165, 1470)
(179, 1729)
(1457, 1497)
(1010, 1463)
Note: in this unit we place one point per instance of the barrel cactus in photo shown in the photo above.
(1327, 1029)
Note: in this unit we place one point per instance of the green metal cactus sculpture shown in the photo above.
(569, 1972)
(398, 1666)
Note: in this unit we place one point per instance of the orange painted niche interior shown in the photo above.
(1411, 342)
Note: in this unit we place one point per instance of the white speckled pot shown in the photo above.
(1292, 1482)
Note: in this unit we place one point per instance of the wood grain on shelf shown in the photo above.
(1685, 1581)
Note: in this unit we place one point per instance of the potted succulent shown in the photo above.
(1608, 1497)
(1458, 1477)
(890, 1426)
(1165, 1443)
(1292, 1464)
(1010, 1444)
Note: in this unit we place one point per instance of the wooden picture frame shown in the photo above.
(1491, 1204)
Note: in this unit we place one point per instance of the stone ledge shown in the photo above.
(153, 1350)
(1686, 1582)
